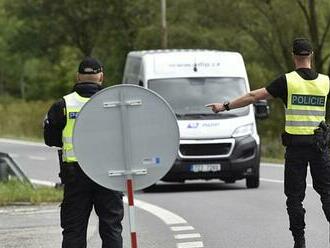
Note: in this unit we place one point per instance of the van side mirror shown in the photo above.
(261, 109)
(141, 83)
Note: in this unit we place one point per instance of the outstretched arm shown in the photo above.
(242, 101)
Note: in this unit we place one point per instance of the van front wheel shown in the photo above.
(252, 182)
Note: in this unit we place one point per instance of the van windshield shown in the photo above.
(188, 96)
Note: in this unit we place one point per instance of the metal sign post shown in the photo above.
(133, 135)
(127, 158)
(131, 207)
(129, 178)
(131, 212)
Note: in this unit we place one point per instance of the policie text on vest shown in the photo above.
(307, 100)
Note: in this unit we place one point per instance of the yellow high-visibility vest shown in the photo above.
(306, 103)
(74, 102)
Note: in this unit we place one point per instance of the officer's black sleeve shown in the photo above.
(54, 124)
(279, 88)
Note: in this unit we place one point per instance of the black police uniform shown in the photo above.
(81, 194)
(301, 151)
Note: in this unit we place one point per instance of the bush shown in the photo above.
(22, 119)
(272, 149)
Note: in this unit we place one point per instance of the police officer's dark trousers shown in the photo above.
(297, 159)
(80, 195)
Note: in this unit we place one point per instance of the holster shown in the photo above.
(322, 137)
(60, 161)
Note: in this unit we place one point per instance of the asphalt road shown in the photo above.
(191, 215)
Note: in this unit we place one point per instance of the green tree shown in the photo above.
(317, 26)
(56, 23)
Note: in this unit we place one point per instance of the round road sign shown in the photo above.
(126, 131)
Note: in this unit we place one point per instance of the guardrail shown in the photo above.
(9, 168)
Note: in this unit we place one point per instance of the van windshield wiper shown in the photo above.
(201, 115)
(197, 115)
(194, 114)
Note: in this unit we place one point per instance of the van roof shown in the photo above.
(164, 51)
(188, 63)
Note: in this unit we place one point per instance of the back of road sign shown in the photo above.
(126, 131)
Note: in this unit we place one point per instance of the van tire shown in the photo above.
(252, 182)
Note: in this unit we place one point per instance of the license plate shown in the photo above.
(205, 167)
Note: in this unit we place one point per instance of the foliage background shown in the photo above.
(42, 42)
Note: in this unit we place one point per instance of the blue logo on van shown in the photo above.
(193, 125)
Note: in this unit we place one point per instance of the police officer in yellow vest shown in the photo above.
(304, 93)
(81, 194)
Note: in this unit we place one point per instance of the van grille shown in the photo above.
(205, 149)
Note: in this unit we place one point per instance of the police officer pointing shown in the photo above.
(304, 93)
(81, 194)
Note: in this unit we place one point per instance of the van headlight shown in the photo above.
(243, 130)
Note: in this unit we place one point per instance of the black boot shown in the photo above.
(300, 243)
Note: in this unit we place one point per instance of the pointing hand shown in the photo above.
(216, 107)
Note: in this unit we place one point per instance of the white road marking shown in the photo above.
(10, 210)
(271, 180)
(28, 210)
(37, 158)
(181, 228)
(280, 166)
(187, 236)
(279, 181)
(171, 219)
(272, 165)
(21, 142)
(190, 245)
(166, 216)
(42, 183)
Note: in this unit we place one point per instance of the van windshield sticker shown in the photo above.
(154, 160)
(192, 65)
(188, 63)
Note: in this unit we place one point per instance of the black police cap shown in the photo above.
(90, 66)
(302, 47)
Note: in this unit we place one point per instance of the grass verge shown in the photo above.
(272, 160)
(22, 118)
(14, 191)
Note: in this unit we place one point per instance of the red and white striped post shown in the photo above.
(131, 212)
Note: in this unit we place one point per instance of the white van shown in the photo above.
(226, 145)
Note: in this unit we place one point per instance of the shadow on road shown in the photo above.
(190, 187)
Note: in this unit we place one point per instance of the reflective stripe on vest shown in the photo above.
(73, 103)
(306, 103)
